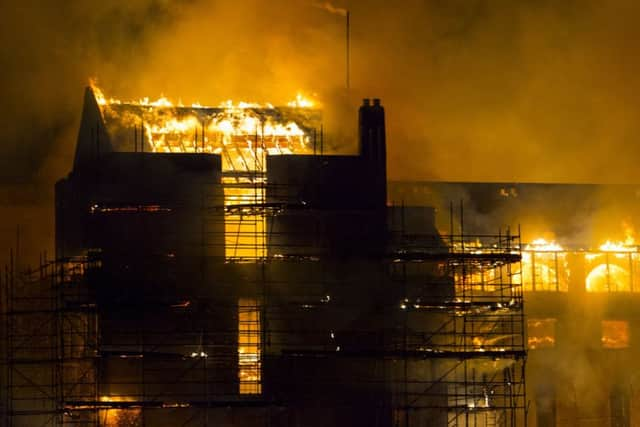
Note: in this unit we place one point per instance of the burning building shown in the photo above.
(219, 266)
(580, 278)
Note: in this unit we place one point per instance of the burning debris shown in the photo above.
(243, 133)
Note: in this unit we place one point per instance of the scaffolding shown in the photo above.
(30, 348)
(443, 338)
(480, 339)
(279, 313)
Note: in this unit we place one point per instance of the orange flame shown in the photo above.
(242, 135)
(542, 245)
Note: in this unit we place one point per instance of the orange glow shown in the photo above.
(629, 244)
(116, 417)
(301, 102)
(544, 267)
(610, 246)
(483, 279)
(242, 133)
(541, 333)
(608, 277)
(543, 245)
(128, 209)
(615, 334)
(249, 347)
(244, 232)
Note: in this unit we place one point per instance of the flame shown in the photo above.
(242, 133)
(230, 105)
(611, 267)
(249, 347)
(542, 245)
(113, 417)
(629, 233)
(615, 334)
(626, 246)
(541, 333)
(541, 260)
(160, 102)
(99, 95)
(97, 92)
(301, 102)
(102, 100)
(608, 277)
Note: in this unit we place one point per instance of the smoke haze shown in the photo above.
(475, 90)
(331, 8)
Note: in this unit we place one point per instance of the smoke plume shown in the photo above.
(474, 90)
(331, 8)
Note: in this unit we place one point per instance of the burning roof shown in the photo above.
(242, 133)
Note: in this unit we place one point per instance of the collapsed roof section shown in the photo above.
(243, 134)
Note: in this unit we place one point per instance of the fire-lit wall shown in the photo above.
(196, 230)
(243, 276)
(582, 288)
(581, 337)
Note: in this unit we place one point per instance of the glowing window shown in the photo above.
(544, 271)
(541, 333)
(487, 280)
(115, 417)
(249, 347)
(244, 229)
(608, 278)
(615, 334)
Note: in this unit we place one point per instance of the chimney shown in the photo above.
(372, 141)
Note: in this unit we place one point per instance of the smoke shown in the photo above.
(474, 90)
(47, 52)
(331, 8)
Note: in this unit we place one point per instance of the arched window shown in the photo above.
(544, 271)
(608, 278)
